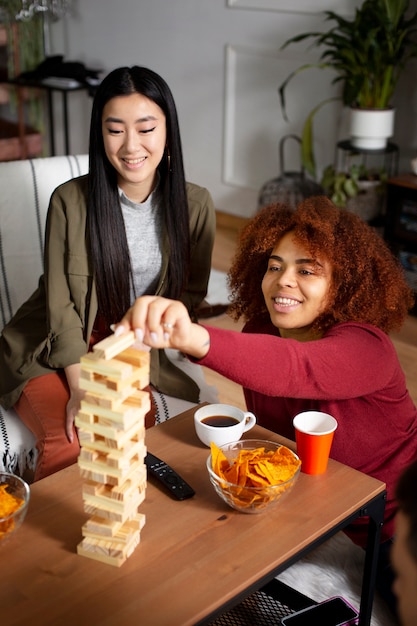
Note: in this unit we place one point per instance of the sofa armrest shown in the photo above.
(26, 187)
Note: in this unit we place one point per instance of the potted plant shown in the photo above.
(24, 46)
(359, 189)
(368, 54)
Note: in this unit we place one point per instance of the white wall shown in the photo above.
(223, 64)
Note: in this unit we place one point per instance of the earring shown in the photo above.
(169, 161)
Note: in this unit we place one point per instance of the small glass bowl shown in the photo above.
(17, 487)
(250, 499)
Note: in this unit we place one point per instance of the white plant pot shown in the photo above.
(370, 129)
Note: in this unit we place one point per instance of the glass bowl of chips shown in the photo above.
(14, 502)
(251, 475)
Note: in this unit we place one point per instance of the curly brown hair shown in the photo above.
(368, 283)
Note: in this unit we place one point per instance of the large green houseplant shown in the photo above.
(368, 54)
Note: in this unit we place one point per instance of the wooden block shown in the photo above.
(138, 358)
(124, 415)
(124, 458)
(91, 455)
(113, 399)
(111, 432)
(120, 390)
(99, 528)
(124, 491)
(116, 369)
(109, 347)
(107, 551)
(98, 556)
(100, 473)
(107, 508)
(139, 379)
(105, 400)
(140, 398)
(91, 441)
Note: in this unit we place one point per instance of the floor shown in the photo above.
(228, 228)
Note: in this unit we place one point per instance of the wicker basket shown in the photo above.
(369, 203)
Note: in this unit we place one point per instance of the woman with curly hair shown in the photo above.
(319, 290)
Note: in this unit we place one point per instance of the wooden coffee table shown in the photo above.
(196, 558)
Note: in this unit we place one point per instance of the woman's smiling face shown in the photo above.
(295, 287)
(134, 136)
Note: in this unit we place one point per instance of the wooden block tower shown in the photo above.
(111, 429)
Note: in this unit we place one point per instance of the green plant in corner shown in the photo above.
(368, 54)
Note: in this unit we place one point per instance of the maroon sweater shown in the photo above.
(352, 372)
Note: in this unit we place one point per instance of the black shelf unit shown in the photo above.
(401, 224)
(386, 158)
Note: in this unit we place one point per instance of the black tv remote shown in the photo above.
(168, 477)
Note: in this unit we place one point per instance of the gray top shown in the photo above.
(143, 225)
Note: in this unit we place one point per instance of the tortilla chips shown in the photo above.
(8, 505)
(252, 478)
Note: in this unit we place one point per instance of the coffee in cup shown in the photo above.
(222, 423)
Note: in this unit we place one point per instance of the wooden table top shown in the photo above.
(195, 555)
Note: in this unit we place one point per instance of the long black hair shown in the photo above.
(106, 231)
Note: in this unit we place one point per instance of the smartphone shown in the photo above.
(332, 612)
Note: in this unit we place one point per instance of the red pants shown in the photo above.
(42, 407)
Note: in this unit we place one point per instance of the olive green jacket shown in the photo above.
(52, 329)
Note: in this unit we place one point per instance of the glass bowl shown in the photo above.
(251, 499)
(12, 485)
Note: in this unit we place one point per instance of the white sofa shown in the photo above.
(26, 187)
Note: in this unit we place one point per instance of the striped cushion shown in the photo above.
(26, 187)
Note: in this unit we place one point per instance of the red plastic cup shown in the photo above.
(314, 433)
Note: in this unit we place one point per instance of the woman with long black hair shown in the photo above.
(132, 226)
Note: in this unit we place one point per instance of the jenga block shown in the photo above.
(137, 358)
(114, 387)
(101, 395)
(108, 551)
(99, 528)
(101, 473)
(110, 432)
(91, 553)
(139, 380)
(131, 447)
(114, 368)
(91, 487)
(124, 491)
(98, 442)
(85, 418)
(124, 458)
(118, 391)
(99, 466)
(109, 347)
(124, 414)
(107, 508)
(140, 399)
(106, 401)
(90, 455)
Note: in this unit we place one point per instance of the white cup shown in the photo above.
(241, 421)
